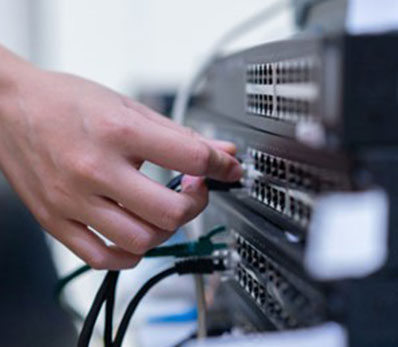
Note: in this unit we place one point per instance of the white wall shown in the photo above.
(126, 44)
(15, 26)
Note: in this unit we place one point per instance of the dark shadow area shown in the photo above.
(29, 315)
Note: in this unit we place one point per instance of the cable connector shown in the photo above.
(212, 185)
(204, 246)
(200, 266)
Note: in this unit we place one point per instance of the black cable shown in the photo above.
(175, 182)
(109, 310)
(101, 296)
(190, 266)
(136, 300)
(107, 290)
(211, 184)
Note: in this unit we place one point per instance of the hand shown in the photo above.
(72, 150)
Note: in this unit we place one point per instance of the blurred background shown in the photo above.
(144, 49)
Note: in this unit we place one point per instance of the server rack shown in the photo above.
(310, 116)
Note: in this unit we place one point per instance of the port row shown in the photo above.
(286, 300)
(281, 200)
(264, 301)
(299, 70)
(282, 108)
(295, 174)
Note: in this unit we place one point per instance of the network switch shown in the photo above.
(336, 85)
(310, 117)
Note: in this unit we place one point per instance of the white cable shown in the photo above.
(201, 302)
(184, 93)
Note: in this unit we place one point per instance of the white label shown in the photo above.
(347, 236)
(371, 16)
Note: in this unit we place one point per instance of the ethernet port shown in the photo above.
(282, 169)
(244, 280)
(261, 159)
(265, 104)
(278, 104)
(250, 255)
(292, 173)
(293, 208)
(262, 191)
(254, 261)
(244, 251)
(255, 290)
(268, 197)
(261, 264)
(274, 194)
(249, 283)
(257, 190)
(261, 295)
(274, 167)
(256, 160)
(282, 200)
(268, 165)
(269, 72)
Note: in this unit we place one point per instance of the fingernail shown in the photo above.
(236, 173)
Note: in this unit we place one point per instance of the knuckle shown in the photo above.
(57, 196)
(113, 130)
(86, 167)
(201, 158)
(139, 243)
(174, 218)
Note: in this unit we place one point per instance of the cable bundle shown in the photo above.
(199, 261)
(106, 294)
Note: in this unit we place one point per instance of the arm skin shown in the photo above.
(72, 150)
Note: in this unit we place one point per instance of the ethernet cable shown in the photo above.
(206, 265)
(190, 266)
(106, 294)
(204, 246)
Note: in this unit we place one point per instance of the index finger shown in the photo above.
(191, 155)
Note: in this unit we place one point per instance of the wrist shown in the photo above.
(13, 72)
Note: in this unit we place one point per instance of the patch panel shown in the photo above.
(272, 291)
(294, 174)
